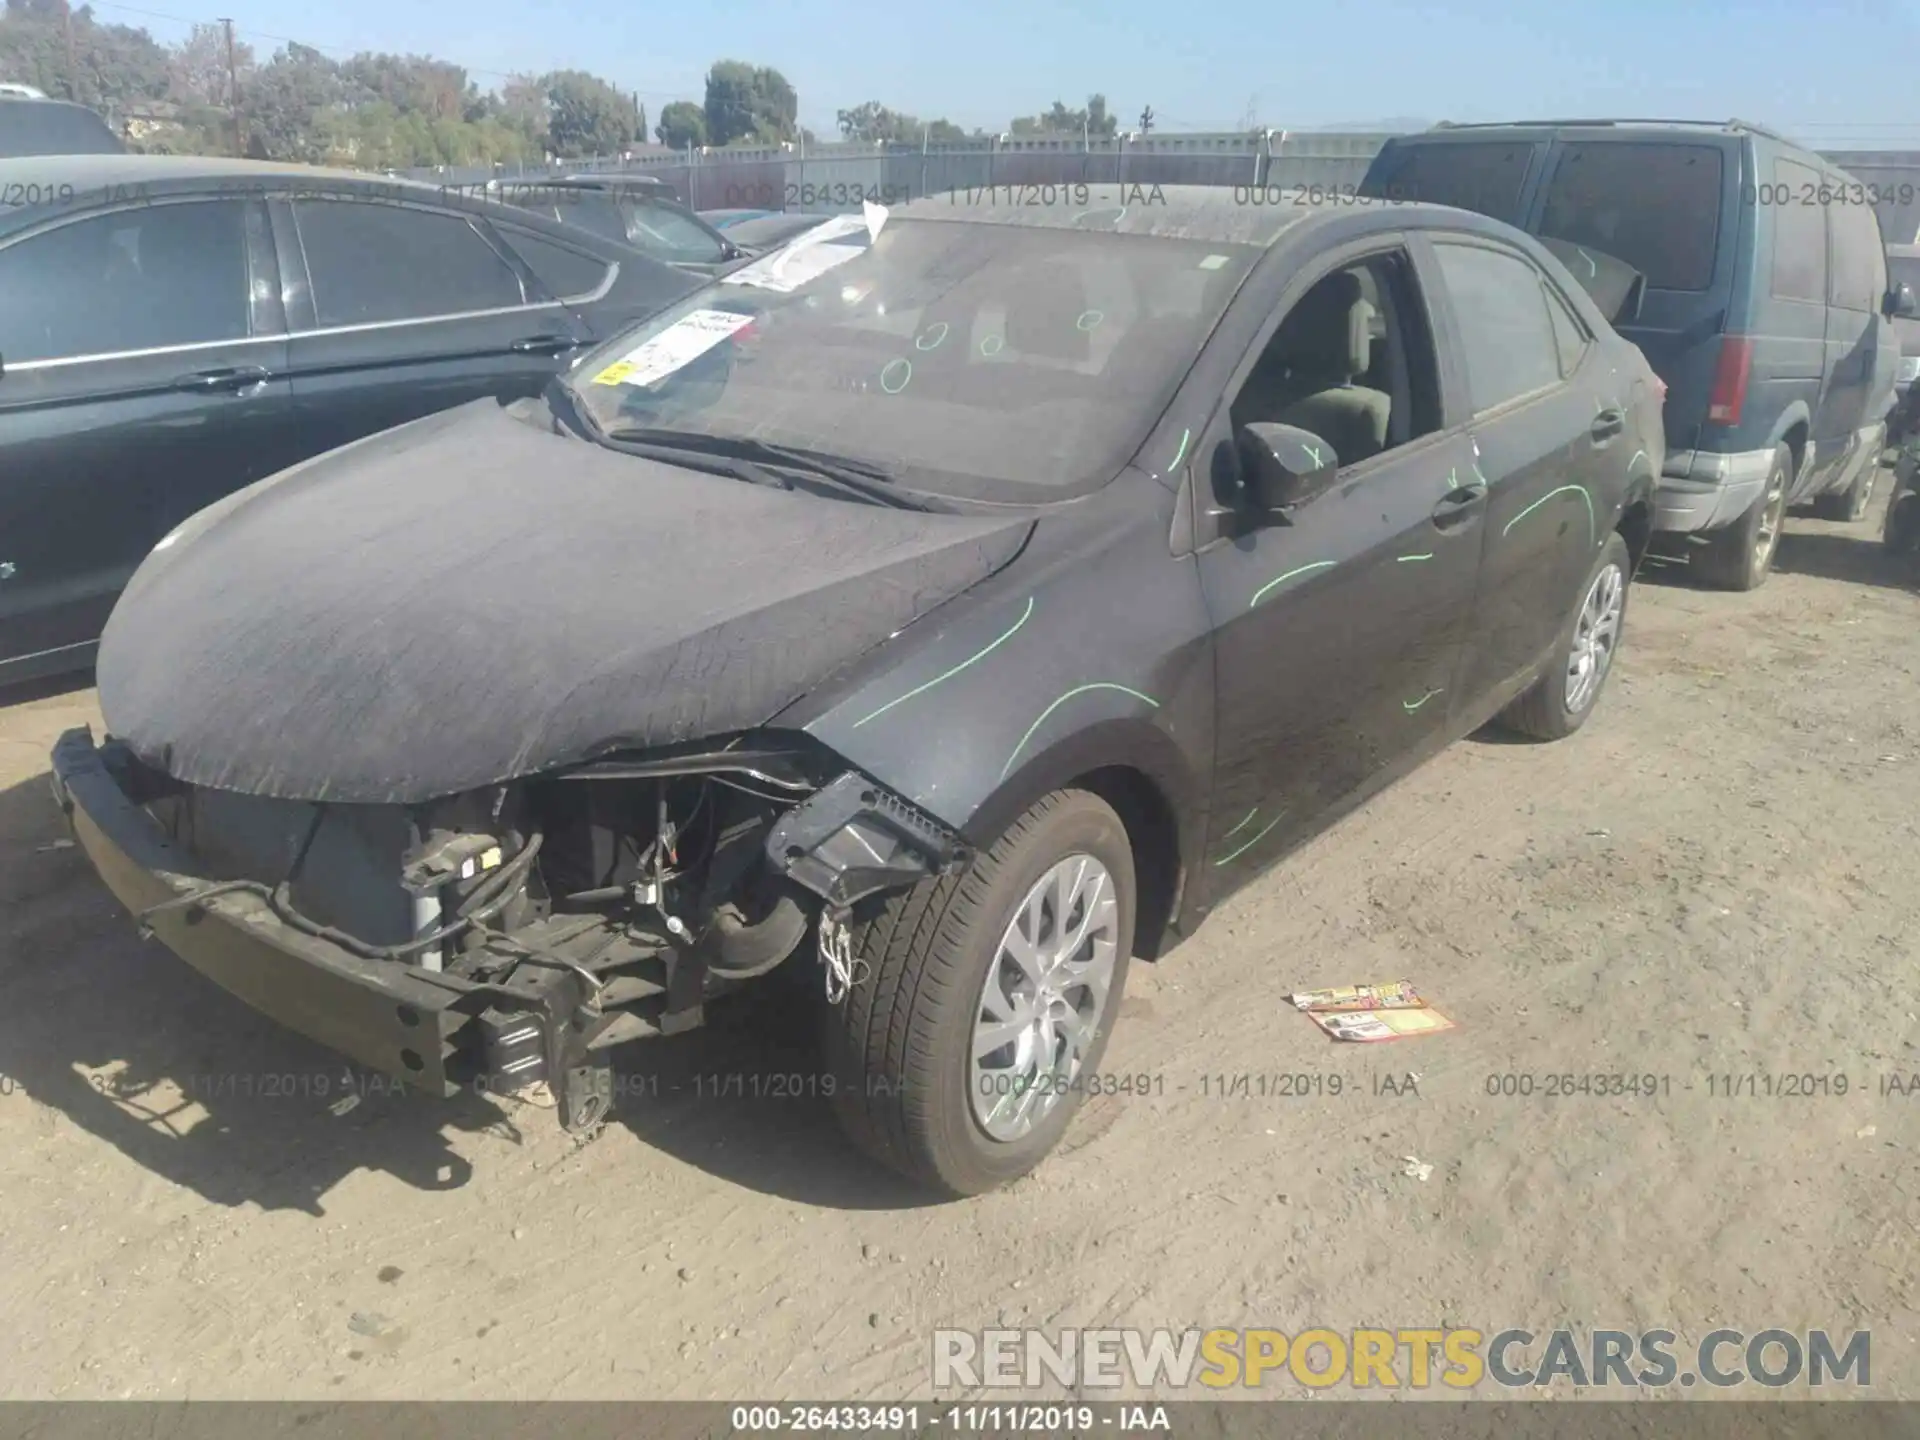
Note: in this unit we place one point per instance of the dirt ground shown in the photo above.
(1707, 881)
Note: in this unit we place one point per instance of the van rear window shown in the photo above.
(1486, 178)
(48, 127)
(1655, 206)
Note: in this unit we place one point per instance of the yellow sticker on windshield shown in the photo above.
(674, 348)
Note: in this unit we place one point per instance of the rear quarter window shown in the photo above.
(1799, 234)
(1654, 205)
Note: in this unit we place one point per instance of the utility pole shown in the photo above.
(1146, 120)
(233, 94)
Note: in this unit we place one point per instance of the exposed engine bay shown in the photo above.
(570, 912)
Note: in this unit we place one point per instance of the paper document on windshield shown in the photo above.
(674, 348)
(814, 253)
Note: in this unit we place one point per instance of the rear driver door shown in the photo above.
(401, 310)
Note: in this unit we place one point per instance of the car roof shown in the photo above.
(72, 178)
(89, 172)
(598, 182)
(1223, 214)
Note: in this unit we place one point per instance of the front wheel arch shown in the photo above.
(1138, 770)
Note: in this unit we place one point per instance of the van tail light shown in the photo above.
(1729, 395)
(1660, 389)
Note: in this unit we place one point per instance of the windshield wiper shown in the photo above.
(855, 477)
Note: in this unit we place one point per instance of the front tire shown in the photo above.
(982, 997)
(1562, 698)
(1740, 557)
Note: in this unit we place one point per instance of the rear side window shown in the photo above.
(143, 279)
(1856, 271)
(1568, 335)
(1655, 206)
(1506, 333)
(1485, 178)
(565, 274)
(371, 263)
(670, 234)
(1799, 234)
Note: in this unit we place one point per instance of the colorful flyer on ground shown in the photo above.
(1374, 1025)
(1397, 996)
(674, 348)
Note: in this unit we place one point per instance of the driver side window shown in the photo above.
(1351, 364)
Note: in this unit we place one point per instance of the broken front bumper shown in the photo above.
(435, 1031)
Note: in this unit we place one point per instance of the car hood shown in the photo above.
(470, 599)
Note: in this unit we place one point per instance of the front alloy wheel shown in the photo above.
(983, 1000)
(1043, 996)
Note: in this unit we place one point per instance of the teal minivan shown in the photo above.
(1761, 300)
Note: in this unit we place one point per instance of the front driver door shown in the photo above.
(1338, 634)
(144, 377)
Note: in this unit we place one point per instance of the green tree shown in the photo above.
(588, 116)
(682, 124)
(750, 104)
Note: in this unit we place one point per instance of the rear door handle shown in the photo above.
(1607, 424)
(544, 345)
(209, 382)
(1457, 507)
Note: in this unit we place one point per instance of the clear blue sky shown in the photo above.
(1834, 72)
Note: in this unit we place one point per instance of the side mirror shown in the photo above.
(1283, 466)
(1900, 302)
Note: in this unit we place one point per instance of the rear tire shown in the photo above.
(902, 1046)
(1558, 704)
(1850, 505)
(1901, 532)
(1740, 557)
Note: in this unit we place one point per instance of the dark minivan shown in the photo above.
(1763, 304)
(38, 126)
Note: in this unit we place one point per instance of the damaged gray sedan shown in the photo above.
(943, 610)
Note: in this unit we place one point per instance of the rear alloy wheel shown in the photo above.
(1740, 557)
(1564, 695)
(983, 1001)
(1850, 505)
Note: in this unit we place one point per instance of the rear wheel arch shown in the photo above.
(1636, 528)
(1794, 437)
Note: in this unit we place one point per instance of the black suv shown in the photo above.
(1764, 303)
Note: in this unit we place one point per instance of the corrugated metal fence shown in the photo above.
(838, 177)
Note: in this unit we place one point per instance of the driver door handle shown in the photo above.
(240, 377)
(1607, 424)
(544, 345)
(1457, 507)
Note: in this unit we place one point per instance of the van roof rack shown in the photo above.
(1746, 125)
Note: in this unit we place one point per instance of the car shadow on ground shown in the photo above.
(1851, 553)
(118, 1037)
(1854, 554)
(747, 1098)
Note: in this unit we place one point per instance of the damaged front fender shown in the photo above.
(853, 839)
